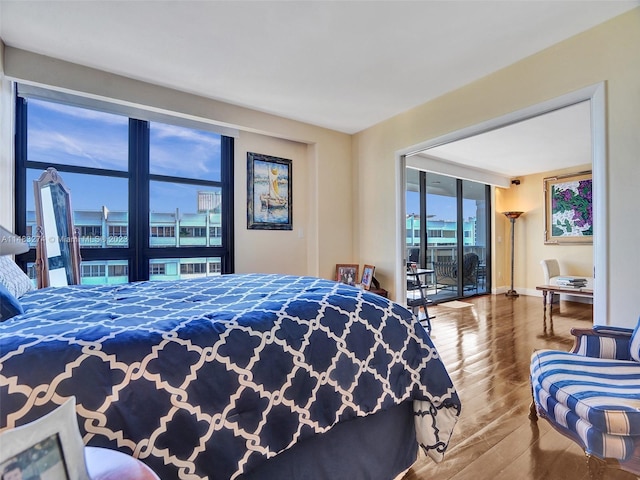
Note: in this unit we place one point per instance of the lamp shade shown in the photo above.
(11, 244)
(512, 215)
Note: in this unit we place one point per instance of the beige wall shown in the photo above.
(272, 251)
(6, 147)
(322, 173)
(529, 236)
(609, 52)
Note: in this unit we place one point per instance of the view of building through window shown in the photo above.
(446, 223)
(177, 185)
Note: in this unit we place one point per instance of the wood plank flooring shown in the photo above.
(487, 349)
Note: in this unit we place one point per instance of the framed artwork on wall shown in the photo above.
(347, 273)
(269, 193)
(568, 212)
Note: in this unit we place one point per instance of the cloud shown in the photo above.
(86, 149)
(186, 152)
(79, 112)
(71, 135)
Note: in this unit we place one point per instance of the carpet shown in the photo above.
(456, 304)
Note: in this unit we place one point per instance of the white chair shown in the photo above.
(551, 269)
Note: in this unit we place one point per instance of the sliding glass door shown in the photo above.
(448, 233)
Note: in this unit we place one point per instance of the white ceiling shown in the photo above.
(556, 140)
(344, 65)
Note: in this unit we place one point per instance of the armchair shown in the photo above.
(446, 273)
(592, 394)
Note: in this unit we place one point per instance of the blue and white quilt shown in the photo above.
(211, 376)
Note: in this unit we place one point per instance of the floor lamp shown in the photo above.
(512, 218)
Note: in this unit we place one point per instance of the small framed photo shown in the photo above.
(568, 216)
(50, 447)
(347, 273)
(367, 276)
(269, 192)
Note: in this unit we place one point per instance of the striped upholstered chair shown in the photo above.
(592, 395)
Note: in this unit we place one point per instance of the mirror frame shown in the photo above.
(66, 233)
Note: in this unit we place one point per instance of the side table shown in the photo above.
(379, 291)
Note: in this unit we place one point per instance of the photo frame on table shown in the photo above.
(269, 192)
(51, 445)
(367, 276)
(347, 273)
(568, 212)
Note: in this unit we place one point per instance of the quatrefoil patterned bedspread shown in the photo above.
(209, 377)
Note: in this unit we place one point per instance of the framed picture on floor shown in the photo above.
(50, 447)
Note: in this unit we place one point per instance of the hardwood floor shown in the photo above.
(487, 349)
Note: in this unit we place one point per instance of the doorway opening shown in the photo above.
(595, 98)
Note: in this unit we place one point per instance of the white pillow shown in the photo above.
(16, 281)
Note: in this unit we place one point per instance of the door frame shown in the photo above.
(596, 95)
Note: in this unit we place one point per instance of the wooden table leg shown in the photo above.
(544, 311)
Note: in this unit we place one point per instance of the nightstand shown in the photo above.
(379, 291)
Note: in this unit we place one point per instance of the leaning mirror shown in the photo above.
(57, 251)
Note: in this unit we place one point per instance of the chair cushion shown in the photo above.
(605, 393)
(595, 401)
(634, 344)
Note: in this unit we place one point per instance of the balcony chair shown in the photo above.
(592, 395)
(413, 257)
(446, 273)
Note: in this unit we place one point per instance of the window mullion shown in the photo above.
(20, 178)
(228, 263)
(139, 198)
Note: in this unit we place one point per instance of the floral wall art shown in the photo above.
(569, 209)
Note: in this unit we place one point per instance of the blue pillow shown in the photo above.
(634, 344)
(9, 305)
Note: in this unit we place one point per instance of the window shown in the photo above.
(90, 231)
(118, 270)
(163, 231)
(145, 193)
(193, 268)
(118, 230)
(157, 269)
(193, 232)
(92, 270)
(443, 202)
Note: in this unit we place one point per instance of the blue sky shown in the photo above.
(61, 134)
(440, 206)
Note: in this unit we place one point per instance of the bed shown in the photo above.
(233, 377)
